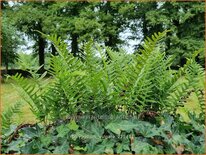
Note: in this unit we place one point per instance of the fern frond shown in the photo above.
(7, 116)
(31, 92)
(193, 74)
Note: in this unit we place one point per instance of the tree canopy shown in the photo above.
(10, 42)
(104, 22)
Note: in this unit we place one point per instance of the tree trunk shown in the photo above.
(144, 27)
(74, 44)
(53, 50)
(109, 42)
(167, 41)
(183, 61)
(41, 44)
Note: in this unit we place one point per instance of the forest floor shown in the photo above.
(9, 96)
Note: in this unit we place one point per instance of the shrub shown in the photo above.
(110, 136)
(97, 85)
(139, 90)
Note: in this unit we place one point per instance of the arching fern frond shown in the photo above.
(7, 116)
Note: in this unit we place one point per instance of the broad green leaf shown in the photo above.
(62, 130)
(72, 125)
(15, 145)
(99, 149)
(46, 140)
(97, 130)
(114, 127)
(8, 132)
(121, 126)
(33, 147)
(78, 148)
(109, 151)
(123, 146)
(30, 132)
(62, 149)
(143, 148)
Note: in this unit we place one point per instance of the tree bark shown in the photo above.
(41, 44)
(144, 27)
(167, 41)
(74, 44)
(53, 50)
(110, 41)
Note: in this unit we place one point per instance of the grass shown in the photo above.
(9, 96)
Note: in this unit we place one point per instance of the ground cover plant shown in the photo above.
(109, 102)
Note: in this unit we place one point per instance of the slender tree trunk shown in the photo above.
(145, 27)
(167, 41)
(183, 61)
(111, 37)
(110, 41)
(41, 44)
(53, 50)
(74, 44)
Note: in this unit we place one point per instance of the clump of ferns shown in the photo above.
(95, 85)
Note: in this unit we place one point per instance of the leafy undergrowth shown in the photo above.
(107, 134)
(113, 88)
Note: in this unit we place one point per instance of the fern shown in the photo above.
(31, 92)
(132, 83)
(193, 73)
(7, 116)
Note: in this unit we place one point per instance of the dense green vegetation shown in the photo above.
(105, 22)
(111, 135)
(125, 104)
(10, 44)
(9, 97)
(84, 93)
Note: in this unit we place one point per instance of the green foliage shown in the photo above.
(186, 20)
(133, 136)
(10, 42)
(94, 85)
(26, 61)
(105, 22)
(31, 92)
(116, 91)
(8, 115)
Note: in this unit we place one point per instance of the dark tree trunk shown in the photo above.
(53, 50)
(110, 41)
(41, 44)
(144, 27)
(183, 61)
(3, 5)
(168, 41)
(74, 44)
